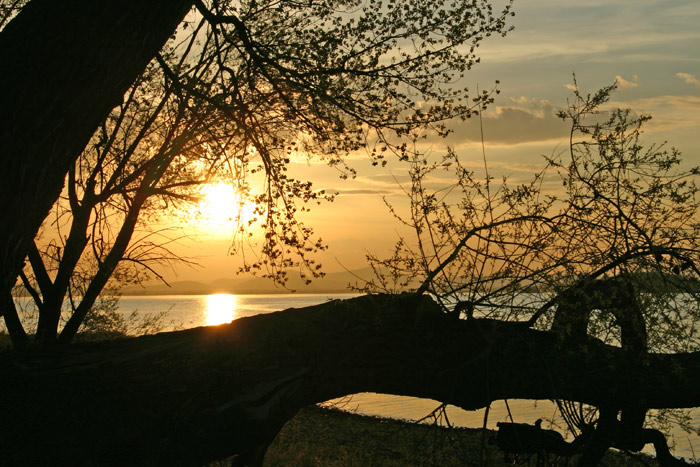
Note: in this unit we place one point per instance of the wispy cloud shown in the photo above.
(377, 192)
(596, 33)
(690, 79)
(668, 112)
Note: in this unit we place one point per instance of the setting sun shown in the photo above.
(221, 209)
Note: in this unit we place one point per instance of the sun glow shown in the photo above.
(221, 210)
(221, 308)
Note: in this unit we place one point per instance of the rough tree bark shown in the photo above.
(187, 397)
(65, 66)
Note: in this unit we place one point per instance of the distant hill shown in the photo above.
(335, 282)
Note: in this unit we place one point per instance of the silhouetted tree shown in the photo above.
(614, 258)
(324, 78)
(70, 64)
(329, 78)
(151, 152)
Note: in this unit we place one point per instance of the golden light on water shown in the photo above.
(221, 308)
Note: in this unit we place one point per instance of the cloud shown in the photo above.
(668, 112)
(524, 120)
(623, 84)
(570, 86)
(690, 79)
(377, 192)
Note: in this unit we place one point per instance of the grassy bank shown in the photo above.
(333, 438)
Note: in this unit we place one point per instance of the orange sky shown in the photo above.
(649, 46)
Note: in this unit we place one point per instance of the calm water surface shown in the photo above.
(186, 311)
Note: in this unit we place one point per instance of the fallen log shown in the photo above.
(188, 397)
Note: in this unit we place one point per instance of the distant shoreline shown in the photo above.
(331, 283)
(179, 294)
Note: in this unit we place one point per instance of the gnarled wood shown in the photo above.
(618, 296)
(186, 397)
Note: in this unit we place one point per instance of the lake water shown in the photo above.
(185, 311)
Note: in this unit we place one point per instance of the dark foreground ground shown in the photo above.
(326, 437)
(333, 438)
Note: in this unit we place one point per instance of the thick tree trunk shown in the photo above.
(66, 64)
(186, 397)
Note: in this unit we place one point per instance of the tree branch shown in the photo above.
(191, 396)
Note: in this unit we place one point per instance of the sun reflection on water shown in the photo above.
(221, 308)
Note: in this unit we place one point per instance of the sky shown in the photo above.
(651, 47)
